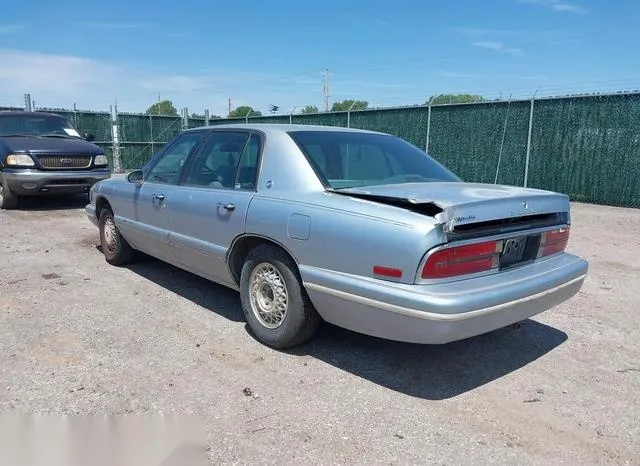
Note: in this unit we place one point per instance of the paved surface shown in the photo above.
(78, 336)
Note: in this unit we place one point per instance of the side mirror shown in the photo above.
(136, 176)
(89, 137)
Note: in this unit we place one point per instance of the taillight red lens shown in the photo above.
(387, 271)
(553, 242)
(461, 260)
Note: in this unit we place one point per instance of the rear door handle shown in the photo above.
(228, 206)
(159, 197)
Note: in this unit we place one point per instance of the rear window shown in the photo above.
(349, 159)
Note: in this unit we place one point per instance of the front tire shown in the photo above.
(275, 304)
(8, 200)
(115, 248)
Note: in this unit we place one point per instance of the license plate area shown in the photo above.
(519, 250)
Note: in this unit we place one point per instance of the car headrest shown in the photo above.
(231, 147)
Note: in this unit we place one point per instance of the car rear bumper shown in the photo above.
(436, 314)
(36, 182)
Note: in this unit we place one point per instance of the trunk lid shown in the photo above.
(473, 209)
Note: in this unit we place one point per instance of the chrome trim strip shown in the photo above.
(434, 315)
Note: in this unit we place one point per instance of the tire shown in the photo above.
(272, 273)
(8, 200)
(115, 248)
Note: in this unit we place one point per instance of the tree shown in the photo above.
(347, 104)
(309, 109)
(164, 107)
(242, 111)
(454, 99)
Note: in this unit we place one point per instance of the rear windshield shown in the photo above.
(347, 159)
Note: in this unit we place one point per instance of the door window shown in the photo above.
(168, 168)
(227, 160)
(248, 166)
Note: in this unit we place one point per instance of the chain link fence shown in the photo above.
(585, 146)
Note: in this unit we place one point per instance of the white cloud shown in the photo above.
(456, 75)
(108, 25)
(6, 29)
(179, 35)
(496, 46)
(59, 81)
(558, 6)
(381, 85)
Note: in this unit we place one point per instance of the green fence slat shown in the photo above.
(585, 146)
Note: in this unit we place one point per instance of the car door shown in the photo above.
(149, 225)
(210, 208)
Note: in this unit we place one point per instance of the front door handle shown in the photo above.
(159, 197)
(228, 206)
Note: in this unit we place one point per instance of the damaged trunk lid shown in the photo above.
(473, 209)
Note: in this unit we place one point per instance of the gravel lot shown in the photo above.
(78, 336)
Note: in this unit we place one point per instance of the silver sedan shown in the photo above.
(356, 228)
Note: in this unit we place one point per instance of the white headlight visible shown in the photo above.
(101, 160)
(21, 160)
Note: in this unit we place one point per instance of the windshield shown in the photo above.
(36, 125)
(347, 160)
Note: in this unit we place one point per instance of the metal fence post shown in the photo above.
(426, 146)
(349, 114)
(185, 118)
(206, 117)
(153, 149)
(291, 114)
(246, 117)
(526, 163)
(115, 137)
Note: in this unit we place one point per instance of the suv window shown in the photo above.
(34, 124)
(217, 162)
(167, 168)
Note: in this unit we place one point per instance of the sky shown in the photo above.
(200, 54)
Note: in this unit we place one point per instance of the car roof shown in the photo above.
(281, 127)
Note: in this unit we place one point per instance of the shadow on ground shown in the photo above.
(53, 202)
(430, 372)
(216, 298)
(434, 372)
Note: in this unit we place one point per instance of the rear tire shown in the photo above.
(8, 200)
(275, 304)
(116, 249)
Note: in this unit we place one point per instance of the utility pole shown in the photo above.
(326, 90)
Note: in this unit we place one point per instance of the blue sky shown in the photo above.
(200, 53)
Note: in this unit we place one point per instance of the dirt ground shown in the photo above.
(78, 336)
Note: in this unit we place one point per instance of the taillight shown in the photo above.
(387, 271)
(553, 242)
(462, 260)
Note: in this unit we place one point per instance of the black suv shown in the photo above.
(42, 153)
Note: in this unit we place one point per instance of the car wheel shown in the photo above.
(115, 248)
(8, 200)
(274, 302)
